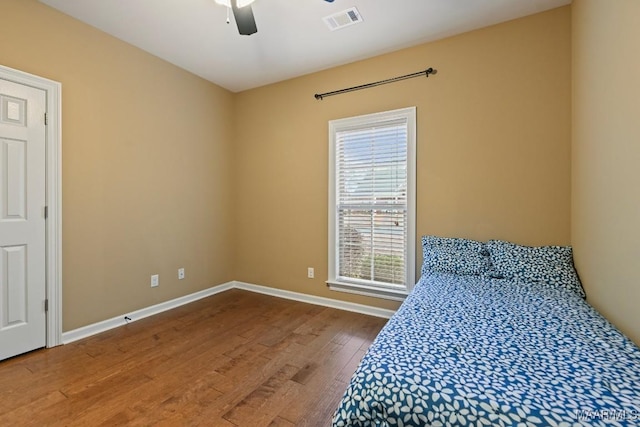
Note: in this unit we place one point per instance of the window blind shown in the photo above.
(371, 202)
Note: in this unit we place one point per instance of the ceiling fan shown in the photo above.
(243, 14)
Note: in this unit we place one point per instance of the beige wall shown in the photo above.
(494, 149)
(146, 165)
(163, 170)
(606, 157)
(151, 152)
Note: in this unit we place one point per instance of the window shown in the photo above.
(372, 204)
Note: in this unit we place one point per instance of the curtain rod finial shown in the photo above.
(318, 97)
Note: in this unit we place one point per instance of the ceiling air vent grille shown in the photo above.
(343, 19)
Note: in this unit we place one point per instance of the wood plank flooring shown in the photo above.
(234, 359)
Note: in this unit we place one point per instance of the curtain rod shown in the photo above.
(321, 96)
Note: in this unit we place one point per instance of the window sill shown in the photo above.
(370, 291)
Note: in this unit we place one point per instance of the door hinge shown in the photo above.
(46, 305)
(46, 212)
(46, 121)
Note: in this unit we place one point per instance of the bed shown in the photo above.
(495, 334)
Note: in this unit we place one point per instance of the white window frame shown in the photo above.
(392, 292)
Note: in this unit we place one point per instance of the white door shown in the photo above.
(22, 219)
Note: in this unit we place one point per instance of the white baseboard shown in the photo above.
(114, 322)
(105, 325)
(312, 299)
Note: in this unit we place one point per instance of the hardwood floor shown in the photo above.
(234, 359)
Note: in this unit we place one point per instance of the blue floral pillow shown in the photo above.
(552, 265)
(454, 255)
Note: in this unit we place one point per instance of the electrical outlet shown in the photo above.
(155, 280)
(310, 273)
(180, 273)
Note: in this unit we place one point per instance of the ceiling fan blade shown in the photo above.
(244, 19)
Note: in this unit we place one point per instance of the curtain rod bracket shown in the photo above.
(426, 73)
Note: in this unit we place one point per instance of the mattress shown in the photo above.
(477, 351)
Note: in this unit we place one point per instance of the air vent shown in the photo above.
(343, 19)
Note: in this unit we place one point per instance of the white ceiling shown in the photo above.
(292, 38)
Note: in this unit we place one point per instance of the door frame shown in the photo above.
(53, 234)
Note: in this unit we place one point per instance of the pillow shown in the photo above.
(454, 255)
(552, 265)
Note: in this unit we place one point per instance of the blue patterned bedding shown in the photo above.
(476, 351)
